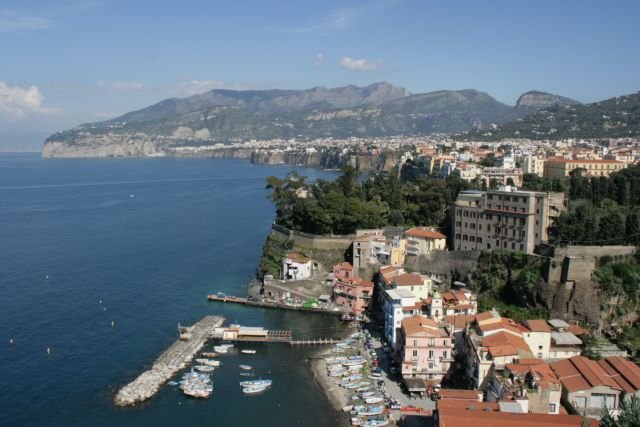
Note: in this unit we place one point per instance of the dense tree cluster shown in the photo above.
(346, 204)
(602, 210)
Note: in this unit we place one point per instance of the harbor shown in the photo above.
(191, 341)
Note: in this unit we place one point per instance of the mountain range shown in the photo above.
(223, 116)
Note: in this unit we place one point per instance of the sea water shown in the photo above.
(99, 262)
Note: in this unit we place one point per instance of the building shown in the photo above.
(427, 349)
(586, 387)
(533, 165)
(465, 414)
(397, 302)
(537, 335)
(352, 293)
(625, 373)
(296, 266)
(559, 168)
(363, 247)
(564, 344)
(419, 285)
(384, 281)
(491, 343)
(423, 240)
(491, 176)
(504, 219)
(531, 383)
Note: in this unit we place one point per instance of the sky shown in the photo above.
(66, 62)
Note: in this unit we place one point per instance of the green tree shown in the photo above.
(629, 415)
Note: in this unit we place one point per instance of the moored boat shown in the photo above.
(254, 389)
(248, 351)
(245, 367)
(260, 382)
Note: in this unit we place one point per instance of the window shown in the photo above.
(444, 354)
(415, 353)
(430, 365)
(552, 408)
(430, 354)
(521, 247)
(599, 400)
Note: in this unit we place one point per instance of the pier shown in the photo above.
(315, 341)
(175, 358)
(266, 304)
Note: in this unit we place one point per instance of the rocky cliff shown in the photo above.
(535, 99)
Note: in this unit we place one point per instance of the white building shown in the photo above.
(396, 301)
(296, 266)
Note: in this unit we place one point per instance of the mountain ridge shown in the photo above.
(232, 116)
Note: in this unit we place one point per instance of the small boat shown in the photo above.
(220, 349)
(173, 383)
(248, 351)
(247, 374)
(214, 363)
(347, 408)
(204, 368)
(372, 400)
(253, 389)
(246, 367)
(260, 382)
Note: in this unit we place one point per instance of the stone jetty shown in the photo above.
(170, 362)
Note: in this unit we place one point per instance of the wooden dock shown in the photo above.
(171, 361)
(266, 304)
(315, 341)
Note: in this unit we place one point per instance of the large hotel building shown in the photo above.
(504, 219)
(558, 167)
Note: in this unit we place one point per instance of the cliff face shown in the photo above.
(535, 99)
(365, 163)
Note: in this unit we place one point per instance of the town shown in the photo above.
(416, 288)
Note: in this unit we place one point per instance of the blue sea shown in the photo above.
(150, 238)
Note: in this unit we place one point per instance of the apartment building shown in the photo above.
(506, 219)
(427, 349)
(422, 240)
(533, 164)
(558, 167)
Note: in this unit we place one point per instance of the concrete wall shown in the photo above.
(312, 240)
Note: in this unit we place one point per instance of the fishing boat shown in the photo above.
(254, 389)
(220, 349)
(372, 410)
(202, 360)
(260, 382)
(214, 363)
(204, 368)
(372, 400)
(246, 367)
(248, 351)
(196, 385)
(367, 393)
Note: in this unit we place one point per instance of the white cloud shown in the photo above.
(13, 21)
(16, 103)
(319, 59)
(349, 63)
(194, 87)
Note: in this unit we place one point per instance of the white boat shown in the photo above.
(254, 389)
(347, 408)
(215, 363)
(204, 368)
(372, 400)
(246, 374)
(245, 367)
(248, 351)
(260, 382)
(220, 349)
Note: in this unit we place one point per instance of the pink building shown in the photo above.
(344, 270)
(352, 293)
(427, 349)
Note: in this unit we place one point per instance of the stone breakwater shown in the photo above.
(171, 361)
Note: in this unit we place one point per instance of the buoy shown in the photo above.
(47, 277)
(100, 302)
(11, 341)
(113, 323)
(48, 350)
(104, 308)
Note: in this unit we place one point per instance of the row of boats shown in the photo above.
(352, 372)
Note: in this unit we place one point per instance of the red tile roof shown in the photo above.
(455, 416)
(408, 279)
(422, 326)
(538, 325)
(425, 233)
(624, 372)
(580, 373)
